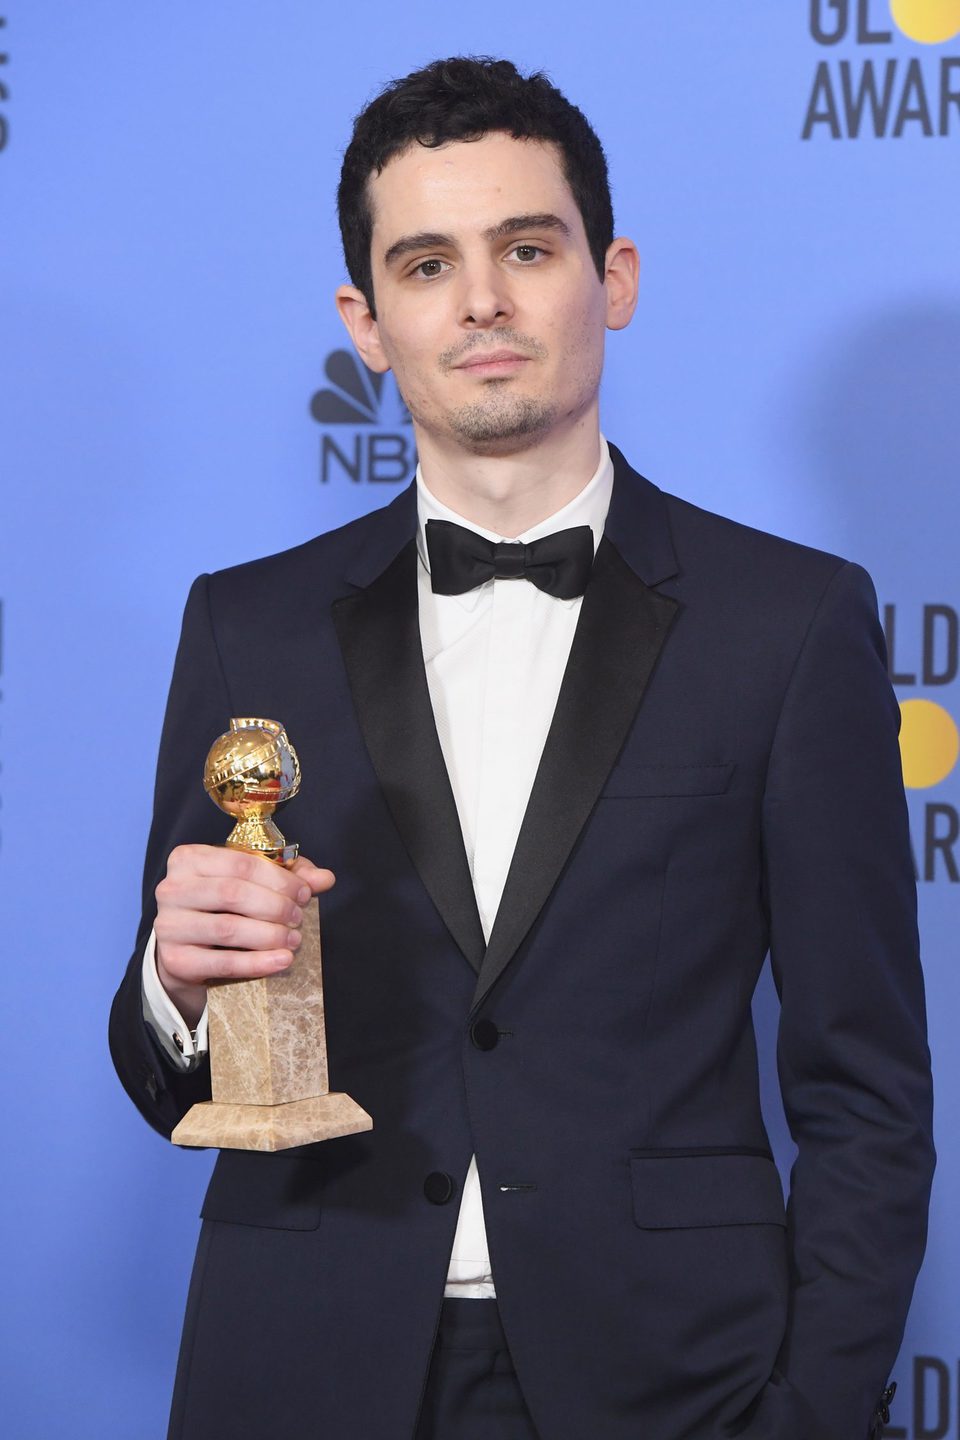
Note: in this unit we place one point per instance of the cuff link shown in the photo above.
(178, 1041)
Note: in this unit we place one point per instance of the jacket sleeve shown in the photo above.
(198, 710)
(852, 1053)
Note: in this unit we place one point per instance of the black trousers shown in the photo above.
(472, 1391)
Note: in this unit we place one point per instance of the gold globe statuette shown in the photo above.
(267, 1037)
(249, 771)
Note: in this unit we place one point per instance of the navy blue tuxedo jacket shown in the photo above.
(721, 778)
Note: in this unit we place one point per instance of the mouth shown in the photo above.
(493, 362)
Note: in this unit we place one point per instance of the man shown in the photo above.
(573, 791)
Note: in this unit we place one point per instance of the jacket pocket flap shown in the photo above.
(626, 780)
(280, 1192)
(684, 1191)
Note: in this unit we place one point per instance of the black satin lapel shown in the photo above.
(620, 633)
(379, 634)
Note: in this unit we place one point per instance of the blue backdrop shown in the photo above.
(171, 360)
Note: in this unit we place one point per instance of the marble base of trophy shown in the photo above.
(268, 1047)
(268, 1062)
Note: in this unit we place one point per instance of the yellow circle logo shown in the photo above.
(929, 743)
(929, 21)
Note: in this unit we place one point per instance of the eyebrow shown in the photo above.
(435, 240)
(517, 223)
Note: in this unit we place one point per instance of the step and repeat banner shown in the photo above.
(177, 395)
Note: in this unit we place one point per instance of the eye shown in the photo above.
(429, 269)
(527, 254)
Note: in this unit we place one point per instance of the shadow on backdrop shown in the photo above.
(880, 423)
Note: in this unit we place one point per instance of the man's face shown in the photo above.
(490, 311)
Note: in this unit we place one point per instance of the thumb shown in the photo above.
(312, 875)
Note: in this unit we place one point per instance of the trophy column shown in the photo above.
(268, 1052)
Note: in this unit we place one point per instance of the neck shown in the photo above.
(510, 493)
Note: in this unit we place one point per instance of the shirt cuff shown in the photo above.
(184, 1047)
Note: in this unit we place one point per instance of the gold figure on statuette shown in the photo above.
(249, 771)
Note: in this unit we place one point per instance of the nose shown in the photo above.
(485, 298)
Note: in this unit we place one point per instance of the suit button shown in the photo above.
(484, 1034)
(438, 1187)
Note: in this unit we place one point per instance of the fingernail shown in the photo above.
(303, 894)
(293, 939)
(282, 961)
(296, 915)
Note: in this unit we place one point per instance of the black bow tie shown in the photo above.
(460, 560)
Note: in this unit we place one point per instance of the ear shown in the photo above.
(356, 314)
(622, 279)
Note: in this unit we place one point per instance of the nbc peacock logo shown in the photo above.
(876, 83)
(366, 434)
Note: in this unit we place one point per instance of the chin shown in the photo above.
(502, 426)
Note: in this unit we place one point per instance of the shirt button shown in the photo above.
(484, 1034)
(438, 1187)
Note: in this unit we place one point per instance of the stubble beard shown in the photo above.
(499, 419)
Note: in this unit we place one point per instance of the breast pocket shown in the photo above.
(629, 780)
(280, 1192)
(685, 1191)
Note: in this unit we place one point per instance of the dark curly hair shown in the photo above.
(464, 98)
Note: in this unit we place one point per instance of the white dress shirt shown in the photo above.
(494, 659)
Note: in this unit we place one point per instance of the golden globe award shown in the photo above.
(268, 1051)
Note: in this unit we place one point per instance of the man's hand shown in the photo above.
(226, 915)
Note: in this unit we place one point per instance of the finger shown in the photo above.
(232, 932)
(312, 875)
(195, 965)
(228, 895)
(220, 860)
